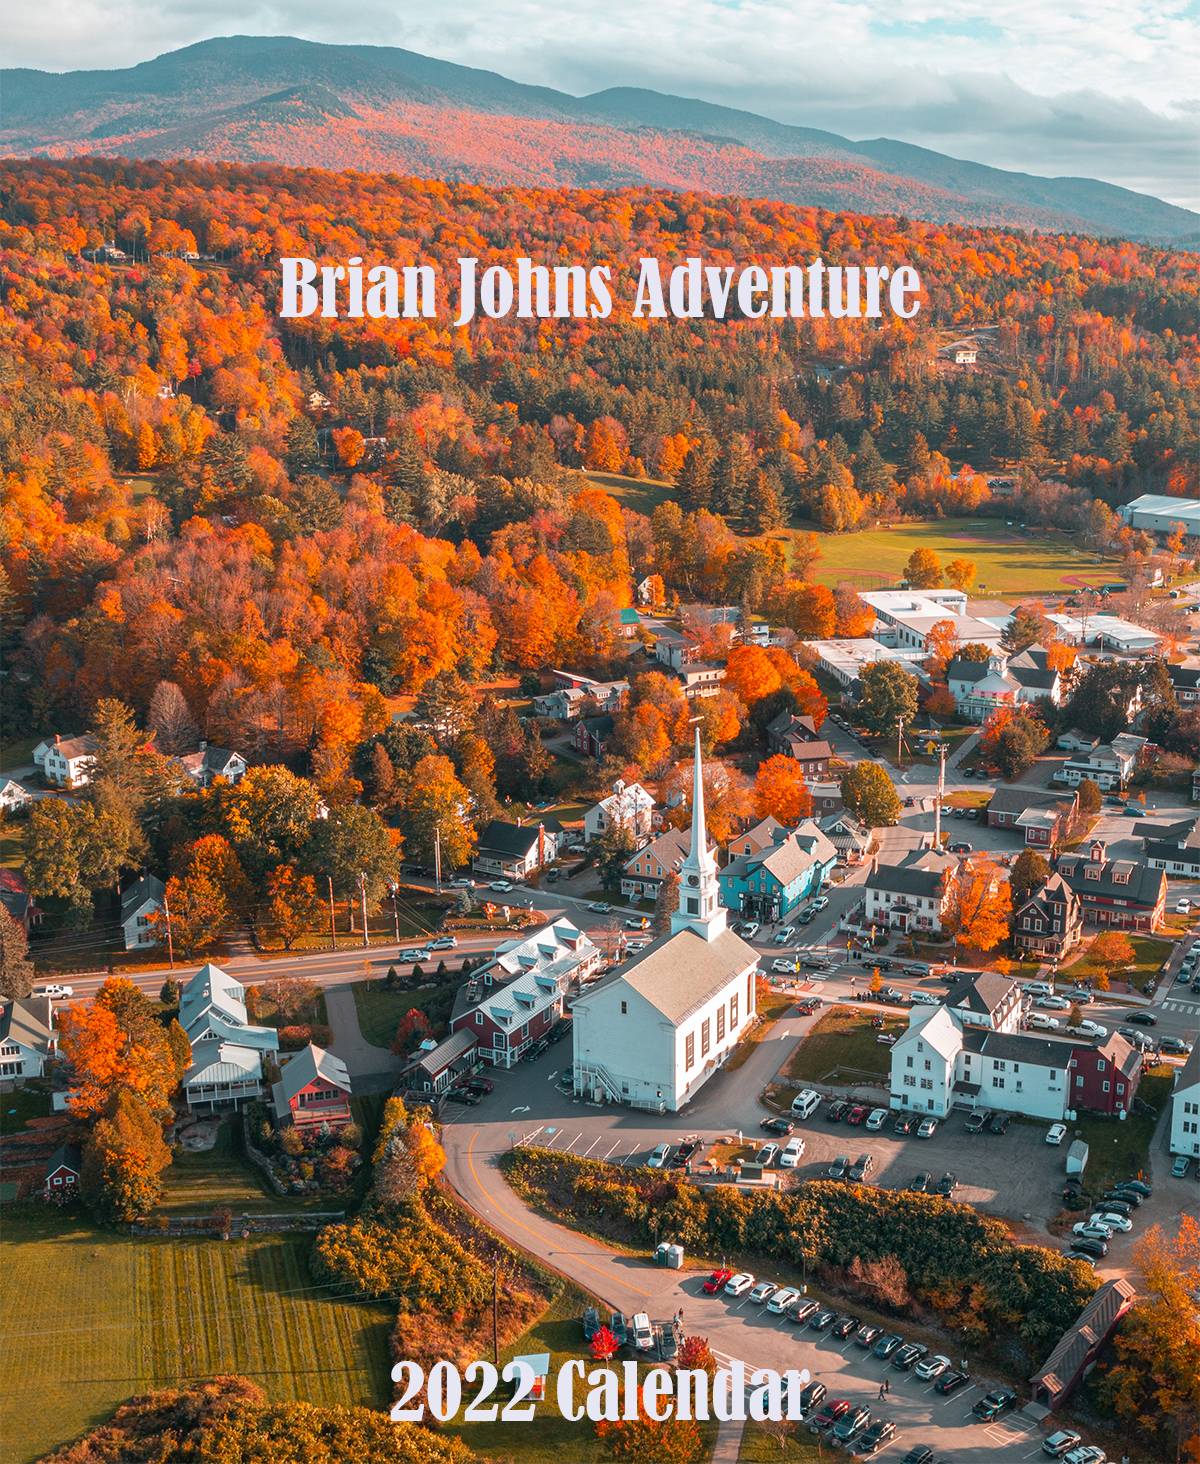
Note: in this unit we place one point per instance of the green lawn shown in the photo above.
(1120, 1150)
(1149, 955)
(12, 843)
(17, 753)
(90, 1317)
(22, 1104)
(843, 1039)
(642, 495)
(196, 1184)
(380, 1010)
(1008, 562)
(764, 1443)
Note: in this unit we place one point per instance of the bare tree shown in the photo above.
(170, 719)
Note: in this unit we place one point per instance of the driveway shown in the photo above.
(735, 1328)
(372, 1068)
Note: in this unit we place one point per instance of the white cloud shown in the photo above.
(1105, 89)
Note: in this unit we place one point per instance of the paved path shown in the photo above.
(964, 749)
(363, 1058)
(729, 1443)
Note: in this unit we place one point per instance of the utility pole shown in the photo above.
(170, 939)
(395, 912)
(362, 895)
(332, 916)
(496, 1312)
(900, 743)
(437, 857)
(941, 786)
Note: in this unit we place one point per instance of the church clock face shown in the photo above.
(693, 879)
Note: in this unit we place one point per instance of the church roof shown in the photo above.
(679, 973)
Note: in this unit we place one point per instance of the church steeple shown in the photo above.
(700, 907)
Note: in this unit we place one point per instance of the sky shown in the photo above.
(1103, 89)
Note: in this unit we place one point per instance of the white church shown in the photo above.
(651, 1033)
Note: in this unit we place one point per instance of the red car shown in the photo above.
(716, 1282)
(857, 1113)
(829, 1415)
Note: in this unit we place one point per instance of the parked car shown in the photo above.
(805, 1103)
(463, 1095)
(876, 1119)
(668, 1343)
(921, 1182)
(811, 1398)
(927, 1128)
(823, 1320)
(1091, 1230)
(749, 929)
(1059, 1442)
(1174, 1046)
(887, 1344)
(947, 1185)
(959, 846)
(643, 1332)
(478, 1084)
(501, 886)
(659, 1156)
(1114, 1222)
(1179, 1167)
(782, 937)
(950, 1382)
(793, 1152)
(591, 1323)
(827, 1416)
(739, 1284)
(762, 1292)
(1121, 1207)
(1139, 1185)
(782, 1299)
(618, 1326)
(976, 1120)
(463, 882)
(839, 1167)
(717, 1281)
(1090, 1247)
(918, 1454)
(767, 1155)
(1039, 1022)
(906, 1356)
(924, 998)
(845, 1326)
(837, 1110)
(690, 1149)
(444, 943)
(782, 967)
(998, 1123)
(1126, 1197)
(800, 1311)
(931, 1367)
(993, 1404)
(1086, 1454)
(1088, 1028)
(820, 903)
(857, 1114)
(850, 1424)
(861, 1167)
(597, 907)
(638, 922)
(781, 1126)
(905, 1123)
(1056, 1133)
(872, 1439)
(806, 916)
(867, 1335)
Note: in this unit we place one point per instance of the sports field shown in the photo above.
(90, 1317)
(1009, 562)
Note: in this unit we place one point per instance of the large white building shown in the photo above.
(941, 1061)
(1185, 1107)
(656, 1029)
(628, 804)
(905, 618)
(1157, 513)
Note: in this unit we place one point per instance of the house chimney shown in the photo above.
(204, 744)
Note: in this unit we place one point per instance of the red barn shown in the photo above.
(314, 1088)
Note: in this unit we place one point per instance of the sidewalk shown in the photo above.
(364, 1060)
(729, 1443)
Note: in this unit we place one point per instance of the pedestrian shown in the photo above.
(882, 1390)
(887, 1385)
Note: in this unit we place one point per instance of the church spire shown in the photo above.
(700, 909)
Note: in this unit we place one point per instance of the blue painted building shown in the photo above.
(769, 884)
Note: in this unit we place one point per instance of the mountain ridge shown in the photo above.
(288, 100)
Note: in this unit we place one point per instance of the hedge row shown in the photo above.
(963, 1265)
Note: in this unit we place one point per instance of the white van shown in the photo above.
(643, 1332)
(805, 1103)
(792, 1154)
